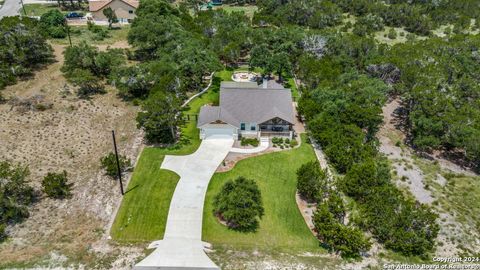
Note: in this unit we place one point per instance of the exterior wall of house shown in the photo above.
(121, 10)
(248, 132)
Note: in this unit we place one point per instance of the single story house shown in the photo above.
(249, 110)
(124, 9)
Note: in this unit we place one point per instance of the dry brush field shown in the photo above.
(66, 133)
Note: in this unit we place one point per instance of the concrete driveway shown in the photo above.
(10, 8)
(182, 245)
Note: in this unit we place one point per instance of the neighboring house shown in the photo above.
(249, 110)
(124, 9)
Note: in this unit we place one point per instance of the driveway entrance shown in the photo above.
(182, 245)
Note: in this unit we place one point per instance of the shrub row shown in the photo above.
(328, 219)
(344, 113)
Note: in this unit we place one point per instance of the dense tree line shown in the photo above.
(176, 49)
(311, 13)
(329, 217)
(419, 17)
(440, 85)
(342, 101)
(173, 58)
(22, 48)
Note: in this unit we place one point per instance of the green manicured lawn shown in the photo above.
(143, 213)
(249, 10)
(291, 84)
(40, 9)
(282, 227)
(37, 9)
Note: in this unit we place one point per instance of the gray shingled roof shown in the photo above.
(249, 106)
(238, 85)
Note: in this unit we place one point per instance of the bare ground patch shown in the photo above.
(427, 180)
(72, 135)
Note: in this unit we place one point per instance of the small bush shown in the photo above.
(276, 140)
(392, 34)
(57, 32)
(100, 33)
(109, 163)
(239, 204)
(87, 83)
(447, 31)
(56, 185)
(293, 143)
(92, 27)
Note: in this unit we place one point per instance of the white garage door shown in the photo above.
(211, 131)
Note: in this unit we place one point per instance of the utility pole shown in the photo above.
(68, 31)
(118, 163)
(23, 7)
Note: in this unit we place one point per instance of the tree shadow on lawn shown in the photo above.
(252, 228)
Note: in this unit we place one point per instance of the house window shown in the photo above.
(242, 126)
(253, 127)
(130, 11)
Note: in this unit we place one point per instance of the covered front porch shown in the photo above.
(276, 127)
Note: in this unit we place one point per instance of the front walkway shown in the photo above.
(182, 245)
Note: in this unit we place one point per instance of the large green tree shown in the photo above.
(312, 182)
(111, 16)
(53, 23)
(239, 204)
(22, 48)
(160, 117)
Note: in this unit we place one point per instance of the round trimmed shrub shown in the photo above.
(239, 204)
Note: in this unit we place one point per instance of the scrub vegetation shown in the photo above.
(348, 59)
